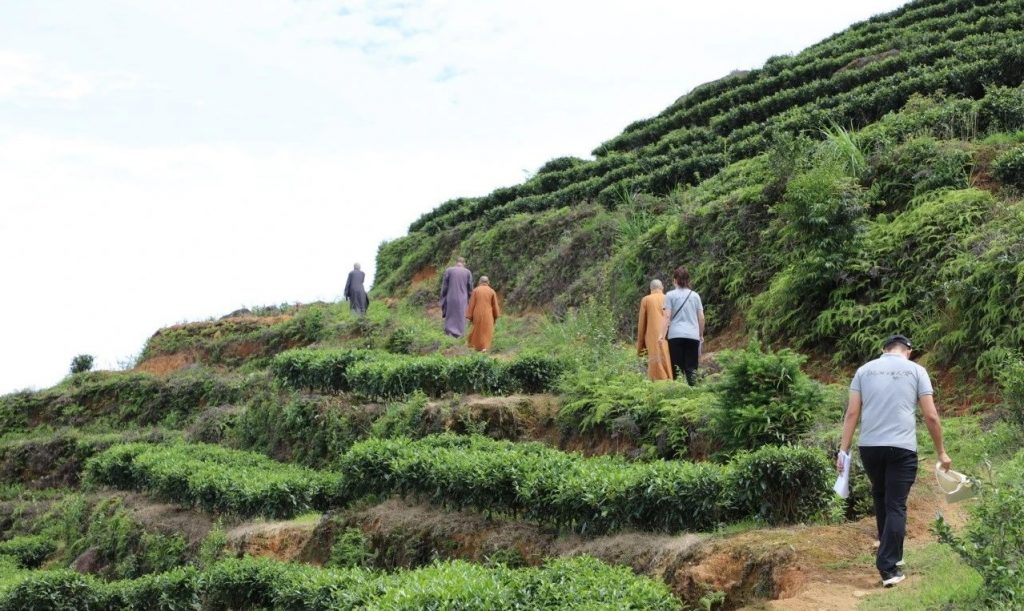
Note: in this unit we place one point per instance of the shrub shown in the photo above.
(325, 370)
(1011, 379)
(566, 583)
(993, 540)
(593, 495)
(1008, 167)
(532, 372)
(215, 479)
(765, 398)
(350, 549)
(81, 363)
(310, 430)
(400, 341)
(29, 551)
(387, 377)
(57, 590)
(781, 485)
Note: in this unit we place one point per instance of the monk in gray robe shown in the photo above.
(354, 291)
(456, 285)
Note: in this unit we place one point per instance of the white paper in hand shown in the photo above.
(842, 486)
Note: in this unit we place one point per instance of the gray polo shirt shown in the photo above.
(889, 388)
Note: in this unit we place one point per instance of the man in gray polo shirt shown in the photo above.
(884, 396)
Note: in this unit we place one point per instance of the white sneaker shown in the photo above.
(901, 562)
(893, 579)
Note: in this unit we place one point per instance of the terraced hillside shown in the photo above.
(863, 184)
(382, 465)
(302, 457)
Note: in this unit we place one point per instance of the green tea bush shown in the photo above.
(533, 372)
(1002, 109)
(668, 416)
(387, 377)
(566, 583)
(593, 495)
(1008, 167)
(400, 341)
(62, 589)
(993, 540)
(781, 484)
(324, 370)
(765, 398)
(310, 430)
(28, 551)
(214, 479)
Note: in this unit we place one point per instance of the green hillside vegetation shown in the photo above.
(869, 184)
(862, 185)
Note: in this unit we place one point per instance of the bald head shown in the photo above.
(460, 261)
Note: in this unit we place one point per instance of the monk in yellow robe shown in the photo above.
(659, 364)
(482, 312)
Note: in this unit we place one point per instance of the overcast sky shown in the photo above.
(164, 161)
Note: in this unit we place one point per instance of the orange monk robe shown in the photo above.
(650, 326)
(483, 312)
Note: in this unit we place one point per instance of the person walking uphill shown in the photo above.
(648, 330)
(456, 285)
(354, 291)
(483, 312)
(884, 395)
(683, 326)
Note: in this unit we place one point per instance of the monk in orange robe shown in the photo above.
(659, 364)
(483, 312)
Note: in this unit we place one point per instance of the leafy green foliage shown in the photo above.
(570, 583)
(350, 549)
(781, 485)
(81, 363)
(28, 551)
(668, 416)
(993, 541)
(215, 479)
(124, 397)
(588, 495)
(384, 376)
(310, 430)
(1011, 378)
(1009, 167)
(400, 341)
(233, 341)
(765, 398)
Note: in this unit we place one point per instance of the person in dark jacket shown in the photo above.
(355, 292)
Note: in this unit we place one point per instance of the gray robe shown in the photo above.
(456, 285)
(355, 293)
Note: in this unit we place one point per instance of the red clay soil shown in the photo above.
(166, 364)
(830, 559)
(426, 273)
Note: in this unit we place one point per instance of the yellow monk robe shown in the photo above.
(652, 319)
(482, 311)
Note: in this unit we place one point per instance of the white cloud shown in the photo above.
(30, 77)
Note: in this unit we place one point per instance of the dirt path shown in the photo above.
(835, 561)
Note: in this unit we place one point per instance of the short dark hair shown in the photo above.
(682, 276)
(897, 339)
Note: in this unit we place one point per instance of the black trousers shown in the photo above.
(685, 355)
(892, 472)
